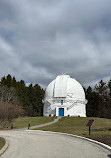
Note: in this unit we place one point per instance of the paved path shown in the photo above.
(38, 144)
(42, 125)
(46, 124)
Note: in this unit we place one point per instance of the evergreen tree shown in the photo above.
(103, 99)
(29, 98)
(109, 86)
(91, 107)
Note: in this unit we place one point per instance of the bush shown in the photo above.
(8, 112)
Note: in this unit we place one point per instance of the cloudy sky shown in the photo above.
(40, 39)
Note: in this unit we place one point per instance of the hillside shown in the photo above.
(100, 130)
(23, 122)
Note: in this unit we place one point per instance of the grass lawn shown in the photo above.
(77, 125)
(23, 122)
(2, 142)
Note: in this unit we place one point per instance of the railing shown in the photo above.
(52, 100)
(75, 102)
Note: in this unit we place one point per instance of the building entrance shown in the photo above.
(61, 111)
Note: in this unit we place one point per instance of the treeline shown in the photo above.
(29, 98)
(99, 100)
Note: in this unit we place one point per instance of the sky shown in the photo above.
(40, 39)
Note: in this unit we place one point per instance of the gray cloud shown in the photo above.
(42, 39)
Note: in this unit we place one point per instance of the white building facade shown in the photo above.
(64, 96)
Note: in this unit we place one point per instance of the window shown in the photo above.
(61, 102)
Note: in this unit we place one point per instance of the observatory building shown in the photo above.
(64, 96)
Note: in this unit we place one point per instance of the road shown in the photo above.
(38, 144)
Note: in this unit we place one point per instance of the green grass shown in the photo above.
(23, 122)
(2, 142)
(77, 125)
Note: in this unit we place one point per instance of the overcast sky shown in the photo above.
(40, 39)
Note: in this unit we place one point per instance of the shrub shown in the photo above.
(8, 112)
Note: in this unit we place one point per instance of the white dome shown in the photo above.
(64, 96)
(72, 88)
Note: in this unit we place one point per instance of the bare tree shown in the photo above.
(8, 94)
(2, 92)
(8, 112)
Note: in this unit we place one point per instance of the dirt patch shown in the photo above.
(105, 140)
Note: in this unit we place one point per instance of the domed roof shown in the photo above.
(66, 87)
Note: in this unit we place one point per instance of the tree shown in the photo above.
(103, 99)
(28, 97)
(8, 94)
(8, 112)
(109, 86)
(7, 81)
(91, 107)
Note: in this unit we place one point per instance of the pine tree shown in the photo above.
(109, 86)
(103, 100)
(91, 107)
(29, 98)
